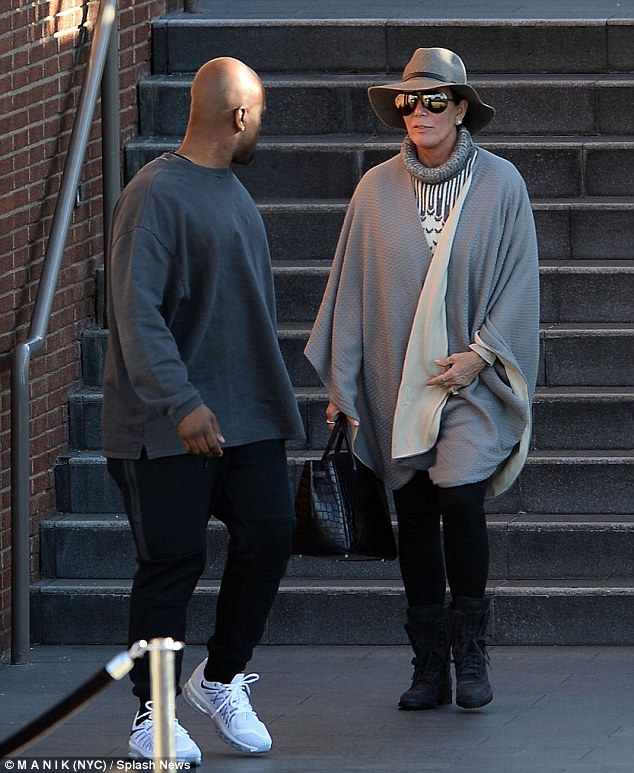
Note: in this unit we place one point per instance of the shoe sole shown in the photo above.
(138, 754)
(196, 703)
(421, 706)
(464, 705)
(445, 700)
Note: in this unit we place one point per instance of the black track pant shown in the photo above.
(169, 502)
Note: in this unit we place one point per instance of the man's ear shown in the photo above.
(239, 118)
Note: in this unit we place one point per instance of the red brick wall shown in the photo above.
(44, 47)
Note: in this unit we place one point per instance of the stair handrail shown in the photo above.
(102, 71)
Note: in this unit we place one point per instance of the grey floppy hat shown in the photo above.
(428, 69)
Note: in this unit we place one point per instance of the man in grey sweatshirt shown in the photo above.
(198, 403)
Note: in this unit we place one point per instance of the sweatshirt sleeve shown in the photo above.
(144, 292)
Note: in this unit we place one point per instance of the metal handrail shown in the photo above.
(102, 64)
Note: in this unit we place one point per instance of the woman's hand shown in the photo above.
(461, 369)
(331, 415)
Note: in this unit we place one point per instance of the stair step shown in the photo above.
(589, 354)
(357, 612)
(538, 105)
(560, 418)
(586, 291)
(574, 354)
(571, 291)
(580, 354)
(578, 482)
(305, 229)
(331, 166)
(557, 481)
(523, 547)
(588, 418)
(183, 43)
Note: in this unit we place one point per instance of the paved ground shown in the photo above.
(331, 709)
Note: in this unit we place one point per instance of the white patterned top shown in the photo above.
(436, 200)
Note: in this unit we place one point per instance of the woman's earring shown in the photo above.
(459, 121)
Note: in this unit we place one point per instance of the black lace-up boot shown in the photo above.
(470, 637)
(428, 631)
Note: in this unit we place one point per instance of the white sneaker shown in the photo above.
(141, 744)
(229, 707)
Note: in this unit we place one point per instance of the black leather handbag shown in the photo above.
(341, 506)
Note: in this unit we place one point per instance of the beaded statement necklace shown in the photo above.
(437, 189)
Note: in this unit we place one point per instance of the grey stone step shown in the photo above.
(578, 482)
(523, 547)
(358, 612)
(539, 105)
(591, 354)
(585, 418)
(571, 291)
(560, 418)
(587, 291)
(301, 230)
(567, 229)
(94, 342)
(84, 419)
(299, 288)
(583, 354)
(588, 354)
(184, 43)
(330, 166)
(557, 481)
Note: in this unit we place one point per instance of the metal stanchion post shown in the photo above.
(163, 689)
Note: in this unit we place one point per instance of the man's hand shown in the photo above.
(200, 433)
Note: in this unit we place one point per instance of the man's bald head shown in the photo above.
(227, 104)
(221, 86)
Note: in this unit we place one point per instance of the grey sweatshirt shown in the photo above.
(191, 314)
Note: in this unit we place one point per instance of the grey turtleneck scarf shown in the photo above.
(437, 189)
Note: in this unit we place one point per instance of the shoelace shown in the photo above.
(426, 670)
(475, 657)
(148, 716)
(238, 695)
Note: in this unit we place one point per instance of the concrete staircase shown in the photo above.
(563, 538)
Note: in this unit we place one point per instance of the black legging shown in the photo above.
(419, 508)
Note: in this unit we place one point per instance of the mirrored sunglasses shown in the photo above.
(434, 103)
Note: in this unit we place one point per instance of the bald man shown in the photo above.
(198, 404)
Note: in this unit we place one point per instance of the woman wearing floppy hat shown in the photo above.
(427, 340)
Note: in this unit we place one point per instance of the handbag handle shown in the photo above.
(340, 437)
